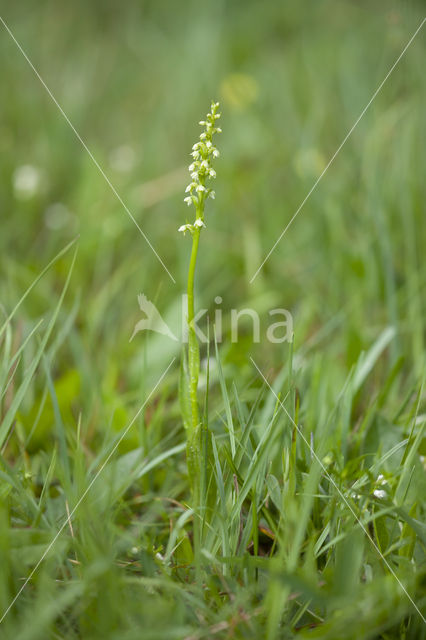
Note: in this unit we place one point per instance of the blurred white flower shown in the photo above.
(26, 181)
(380, 493)
(122, 159)
(57, 216)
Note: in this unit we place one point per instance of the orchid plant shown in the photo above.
(199, 191)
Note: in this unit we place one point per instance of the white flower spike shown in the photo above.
(201, 170)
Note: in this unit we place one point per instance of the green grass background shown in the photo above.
(282, 555)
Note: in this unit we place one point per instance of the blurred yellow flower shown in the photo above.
(239, 90)
(309, 162)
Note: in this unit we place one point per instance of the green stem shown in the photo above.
(193, 448)
(193, 349)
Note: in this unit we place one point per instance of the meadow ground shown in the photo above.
(312, 516)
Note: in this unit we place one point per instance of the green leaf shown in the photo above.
(21, 391)
(367, 360)
(381, 533)
(226, 402)
(193, 358)
(184, 394)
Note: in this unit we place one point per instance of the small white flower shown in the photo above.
(218, 130)
(208, 144)
(188, 200)
(216, 153)
(191, 166)
(185, 227)
(379, 493)
(212, 173)
(203, 136)
(204, 164)
(199, 223)
(200, 188)
(212, 194)
(202, 122)
(195, 146)
(195, 155)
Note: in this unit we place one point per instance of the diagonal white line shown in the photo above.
(92, 157)
(339, 148)
(67, 520)
(330, 479)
